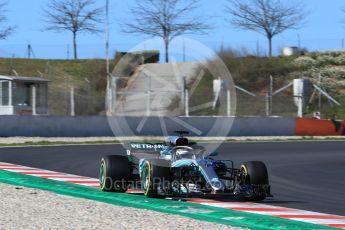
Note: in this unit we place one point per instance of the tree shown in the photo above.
(7, 30)
(167, 19)
(343, 10)
(75, 16)
(268, 17)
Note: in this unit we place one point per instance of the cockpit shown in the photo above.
(181, 152)
(184, 154)
(179, 147)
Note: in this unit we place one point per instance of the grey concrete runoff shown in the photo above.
(98, 126)
(27, 208)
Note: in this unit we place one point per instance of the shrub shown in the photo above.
(325, 60)
(340, 60)
(304, 62)
(334, 72)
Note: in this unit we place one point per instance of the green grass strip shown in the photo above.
(191, 210)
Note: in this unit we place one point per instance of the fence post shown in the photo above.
(148, 101)
(72, 102)
(1, 94)
(300, 106)
(183, 88)
(267, 104)
(319, 99)
(186, 103)
(113, 87)
(228, 100)
(10, 93)
(271, 97)
(33, 99)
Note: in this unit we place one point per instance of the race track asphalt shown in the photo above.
(303, 175)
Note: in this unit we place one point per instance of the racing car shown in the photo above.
(178, 167)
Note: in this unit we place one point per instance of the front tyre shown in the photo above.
(254, 174)
(114, 173)
(155, 178)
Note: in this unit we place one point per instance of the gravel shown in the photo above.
(26, 208)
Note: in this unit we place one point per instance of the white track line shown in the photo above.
(47, 174)
(282, 212)
(263, 209)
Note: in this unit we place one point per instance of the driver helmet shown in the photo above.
(183, 153)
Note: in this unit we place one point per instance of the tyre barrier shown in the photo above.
(314, 127)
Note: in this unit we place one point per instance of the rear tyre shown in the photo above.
(255, 173)
(114, 173)
(155, 178)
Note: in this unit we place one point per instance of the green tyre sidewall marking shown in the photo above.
(103, 174)
(191, 210)
(147, 176)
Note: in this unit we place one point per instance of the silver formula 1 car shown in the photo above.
(178, 167)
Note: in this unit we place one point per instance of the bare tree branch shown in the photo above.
(343, 10)
(268, 17)
(6, 30)
(167, 19)
(73, 15)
